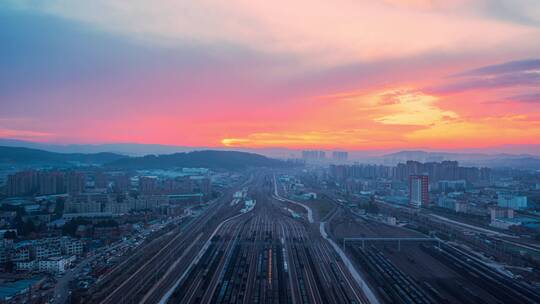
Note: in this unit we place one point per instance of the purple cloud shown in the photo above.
(510, 74)
(527, 98)
(503, 68)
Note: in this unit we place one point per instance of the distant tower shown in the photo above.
(419, 190)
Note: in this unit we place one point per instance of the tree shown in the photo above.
(70, 227)
(372, 206)
(11, 235)
(9, 266)
(28, 227)
(59, 208)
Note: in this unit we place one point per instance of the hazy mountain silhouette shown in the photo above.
(206, 159)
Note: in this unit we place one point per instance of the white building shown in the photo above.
(21, 254)
(418, 190)
(44, 251)
(54, 264)
(72, 246)
(26, 265)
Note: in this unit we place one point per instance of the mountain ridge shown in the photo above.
(28, 156)
(205, 158)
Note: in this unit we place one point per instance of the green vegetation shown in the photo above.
(323, 208)
(71, 227)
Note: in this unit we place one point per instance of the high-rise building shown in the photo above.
(340, 155)
(100, 180)
(446, 170)
(121, 183)
(343, 172)
(51, 182)
(313, 155)
(22, 183)
(147, 184)
(419, 190)
(75, 182)
(452, 185)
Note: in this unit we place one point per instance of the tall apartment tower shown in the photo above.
(340, 155)
(419, 190)
(313, 155)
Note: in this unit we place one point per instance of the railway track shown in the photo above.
(266, 256)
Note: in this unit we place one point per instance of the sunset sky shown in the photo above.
(354, 75)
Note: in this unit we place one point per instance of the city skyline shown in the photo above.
(362, 75)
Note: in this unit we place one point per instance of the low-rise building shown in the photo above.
(72, 246)
(461, 207)
(54, 264)
(496, 212)
(26, 265)
(447, 203)
(44, 251)
(505, 224)
(21, 254)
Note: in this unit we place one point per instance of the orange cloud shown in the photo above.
(25, 134)
(390, 118)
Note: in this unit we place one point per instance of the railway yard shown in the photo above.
(416, 270)
(234, 254)
(264, 248)
(268, 257)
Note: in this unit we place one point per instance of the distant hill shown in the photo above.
(206, 159)
(27, 156)
(135, 149)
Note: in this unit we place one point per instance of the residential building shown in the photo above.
(21, 254)
(21, 183)
(447, 203)
(313, 155)
(446, 186)
(47, 251)
(419, 190)
(340, 155)
(54, 264)
(496, 212)
(71, 246)
(26, 265)
(75, 182)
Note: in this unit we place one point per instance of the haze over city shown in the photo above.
(270, 152)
